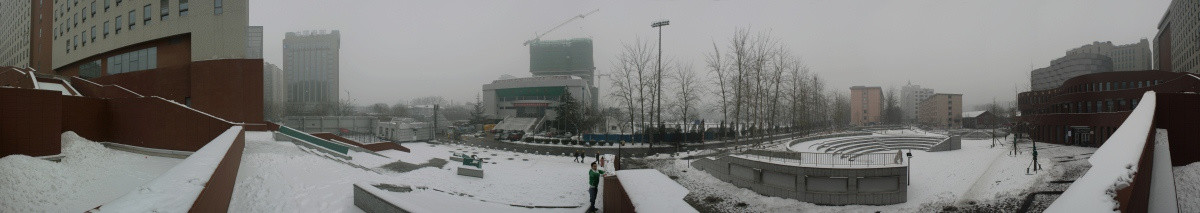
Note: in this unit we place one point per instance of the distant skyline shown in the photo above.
(400, 50)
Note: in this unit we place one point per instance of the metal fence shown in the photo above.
(825, 159)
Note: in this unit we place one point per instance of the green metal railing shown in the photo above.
(313, 139)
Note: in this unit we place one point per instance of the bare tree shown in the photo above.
(716, 65)
(631, 78)
(688, 95)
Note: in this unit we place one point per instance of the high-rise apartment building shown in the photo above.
(910, 97)
(1068, 67)
(866, 105)
(310, 62)
(1177, 45)
(1127, 57)
(25, 38)
(254, 42)
(941, 111)
(274, 91)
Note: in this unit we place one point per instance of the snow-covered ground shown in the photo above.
(1187, 185)
(88, 176)
(282, 177)
(978, 173)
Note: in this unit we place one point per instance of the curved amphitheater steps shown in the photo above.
(852, 147)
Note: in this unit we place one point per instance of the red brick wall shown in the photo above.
(13, 78)
(91, 89)
(615, 197)
(30, 122)
(40, 47)
(218, 191)
(373, 147)
(157, 123)
(88, 117)
(230, 89)
(1179, 113)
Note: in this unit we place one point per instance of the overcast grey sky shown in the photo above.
(398, 50)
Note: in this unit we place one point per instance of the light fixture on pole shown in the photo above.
(658, 86)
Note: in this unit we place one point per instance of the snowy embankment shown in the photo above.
(281, 177)
(1187, 185)
(178, 188)
(1113, 165)
(87, 176)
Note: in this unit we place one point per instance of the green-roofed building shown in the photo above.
(532, 97)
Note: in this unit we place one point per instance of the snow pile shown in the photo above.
(30, 184)
(88, 175)
(178, 188)
(1187, 185)
(652, 191)
(1113, 165)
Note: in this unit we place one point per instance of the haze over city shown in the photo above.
(395, 50)
(465, 106)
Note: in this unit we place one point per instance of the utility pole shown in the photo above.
(658, 78)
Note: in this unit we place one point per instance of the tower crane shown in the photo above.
(539, 36)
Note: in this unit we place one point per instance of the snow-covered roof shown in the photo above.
(973, 114)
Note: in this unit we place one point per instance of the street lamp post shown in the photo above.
(658, 85)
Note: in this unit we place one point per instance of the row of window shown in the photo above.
(73, 43)
(136, 60)
(1100, 87)
(518, 98)
(1110, 86)
(1109, 105)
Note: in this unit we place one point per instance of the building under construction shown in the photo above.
(571, 57)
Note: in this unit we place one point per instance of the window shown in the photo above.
(75, 43)
(93, 9)
(75, 22)
(106, 3)
(83, 34)
(106, 29)
(146, 14)
(117, 25)
(183, 8)
(132, 19)
(93, 33)
(218, 7)
(165, 9)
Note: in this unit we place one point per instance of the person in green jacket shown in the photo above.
(593, 181)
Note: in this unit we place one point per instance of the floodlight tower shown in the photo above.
(658, 76)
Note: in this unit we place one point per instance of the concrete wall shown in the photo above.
(824, 186)
(952, 143)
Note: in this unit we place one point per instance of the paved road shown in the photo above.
(625, 151)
